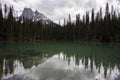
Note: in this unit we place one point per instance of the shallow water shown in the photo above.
(59, 61)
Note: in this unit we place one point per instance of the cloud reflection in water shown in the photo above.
(59, 67)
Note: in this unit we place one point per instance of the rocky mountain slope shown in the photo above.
(28, 13)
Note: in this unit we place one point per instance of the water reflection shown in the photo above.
(60, 67)
(43, 61)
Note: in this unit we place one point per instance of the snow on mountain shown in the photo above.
(28, 13)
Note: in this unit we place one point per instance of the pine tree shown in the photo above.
(5, 10)
(92, 16)
(11, 23)
(64, 22)
(92, 28)
(87, 26)
(77, 19)
(69, 19)
(1, 15)
(1, 22)
(107, 10)
(100, 13)
(87, 18)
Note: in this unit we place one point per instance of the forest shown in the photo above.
(97, 26)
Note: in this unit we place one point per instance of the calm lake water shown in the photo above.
(59, 61)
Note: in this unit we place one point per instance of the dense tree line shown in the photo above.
(94, 27)
(97, 27)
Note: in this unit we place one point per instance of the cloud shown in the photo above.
(17, 0)
(59, 9)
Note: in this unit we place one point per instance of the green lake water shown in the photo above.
(59, 61)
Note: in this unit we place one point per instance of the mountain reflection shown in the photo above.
(75, 62)
(85, 67)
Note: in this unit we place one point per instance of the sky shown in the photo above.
(57, 10)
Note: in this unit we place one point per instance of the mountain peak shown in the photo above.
(29, 9)
(28, 13)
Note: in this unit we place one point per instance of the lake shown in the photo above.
(59, 61)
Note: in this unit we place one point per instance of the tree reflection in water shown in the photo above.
(76, 61)
(59, 66)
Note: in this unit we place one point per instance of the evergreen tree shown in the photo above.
(106, 36)
(100, 13)
(1, 22)
(92, 16)
(5, 10)
(107, 10)
(87, 26)
(92, 24)
(69, 19)
(10, 26)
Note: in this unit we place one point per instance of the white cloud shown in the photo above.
(59, 9)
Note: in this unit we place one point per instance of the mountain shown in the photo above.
(28, 13)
